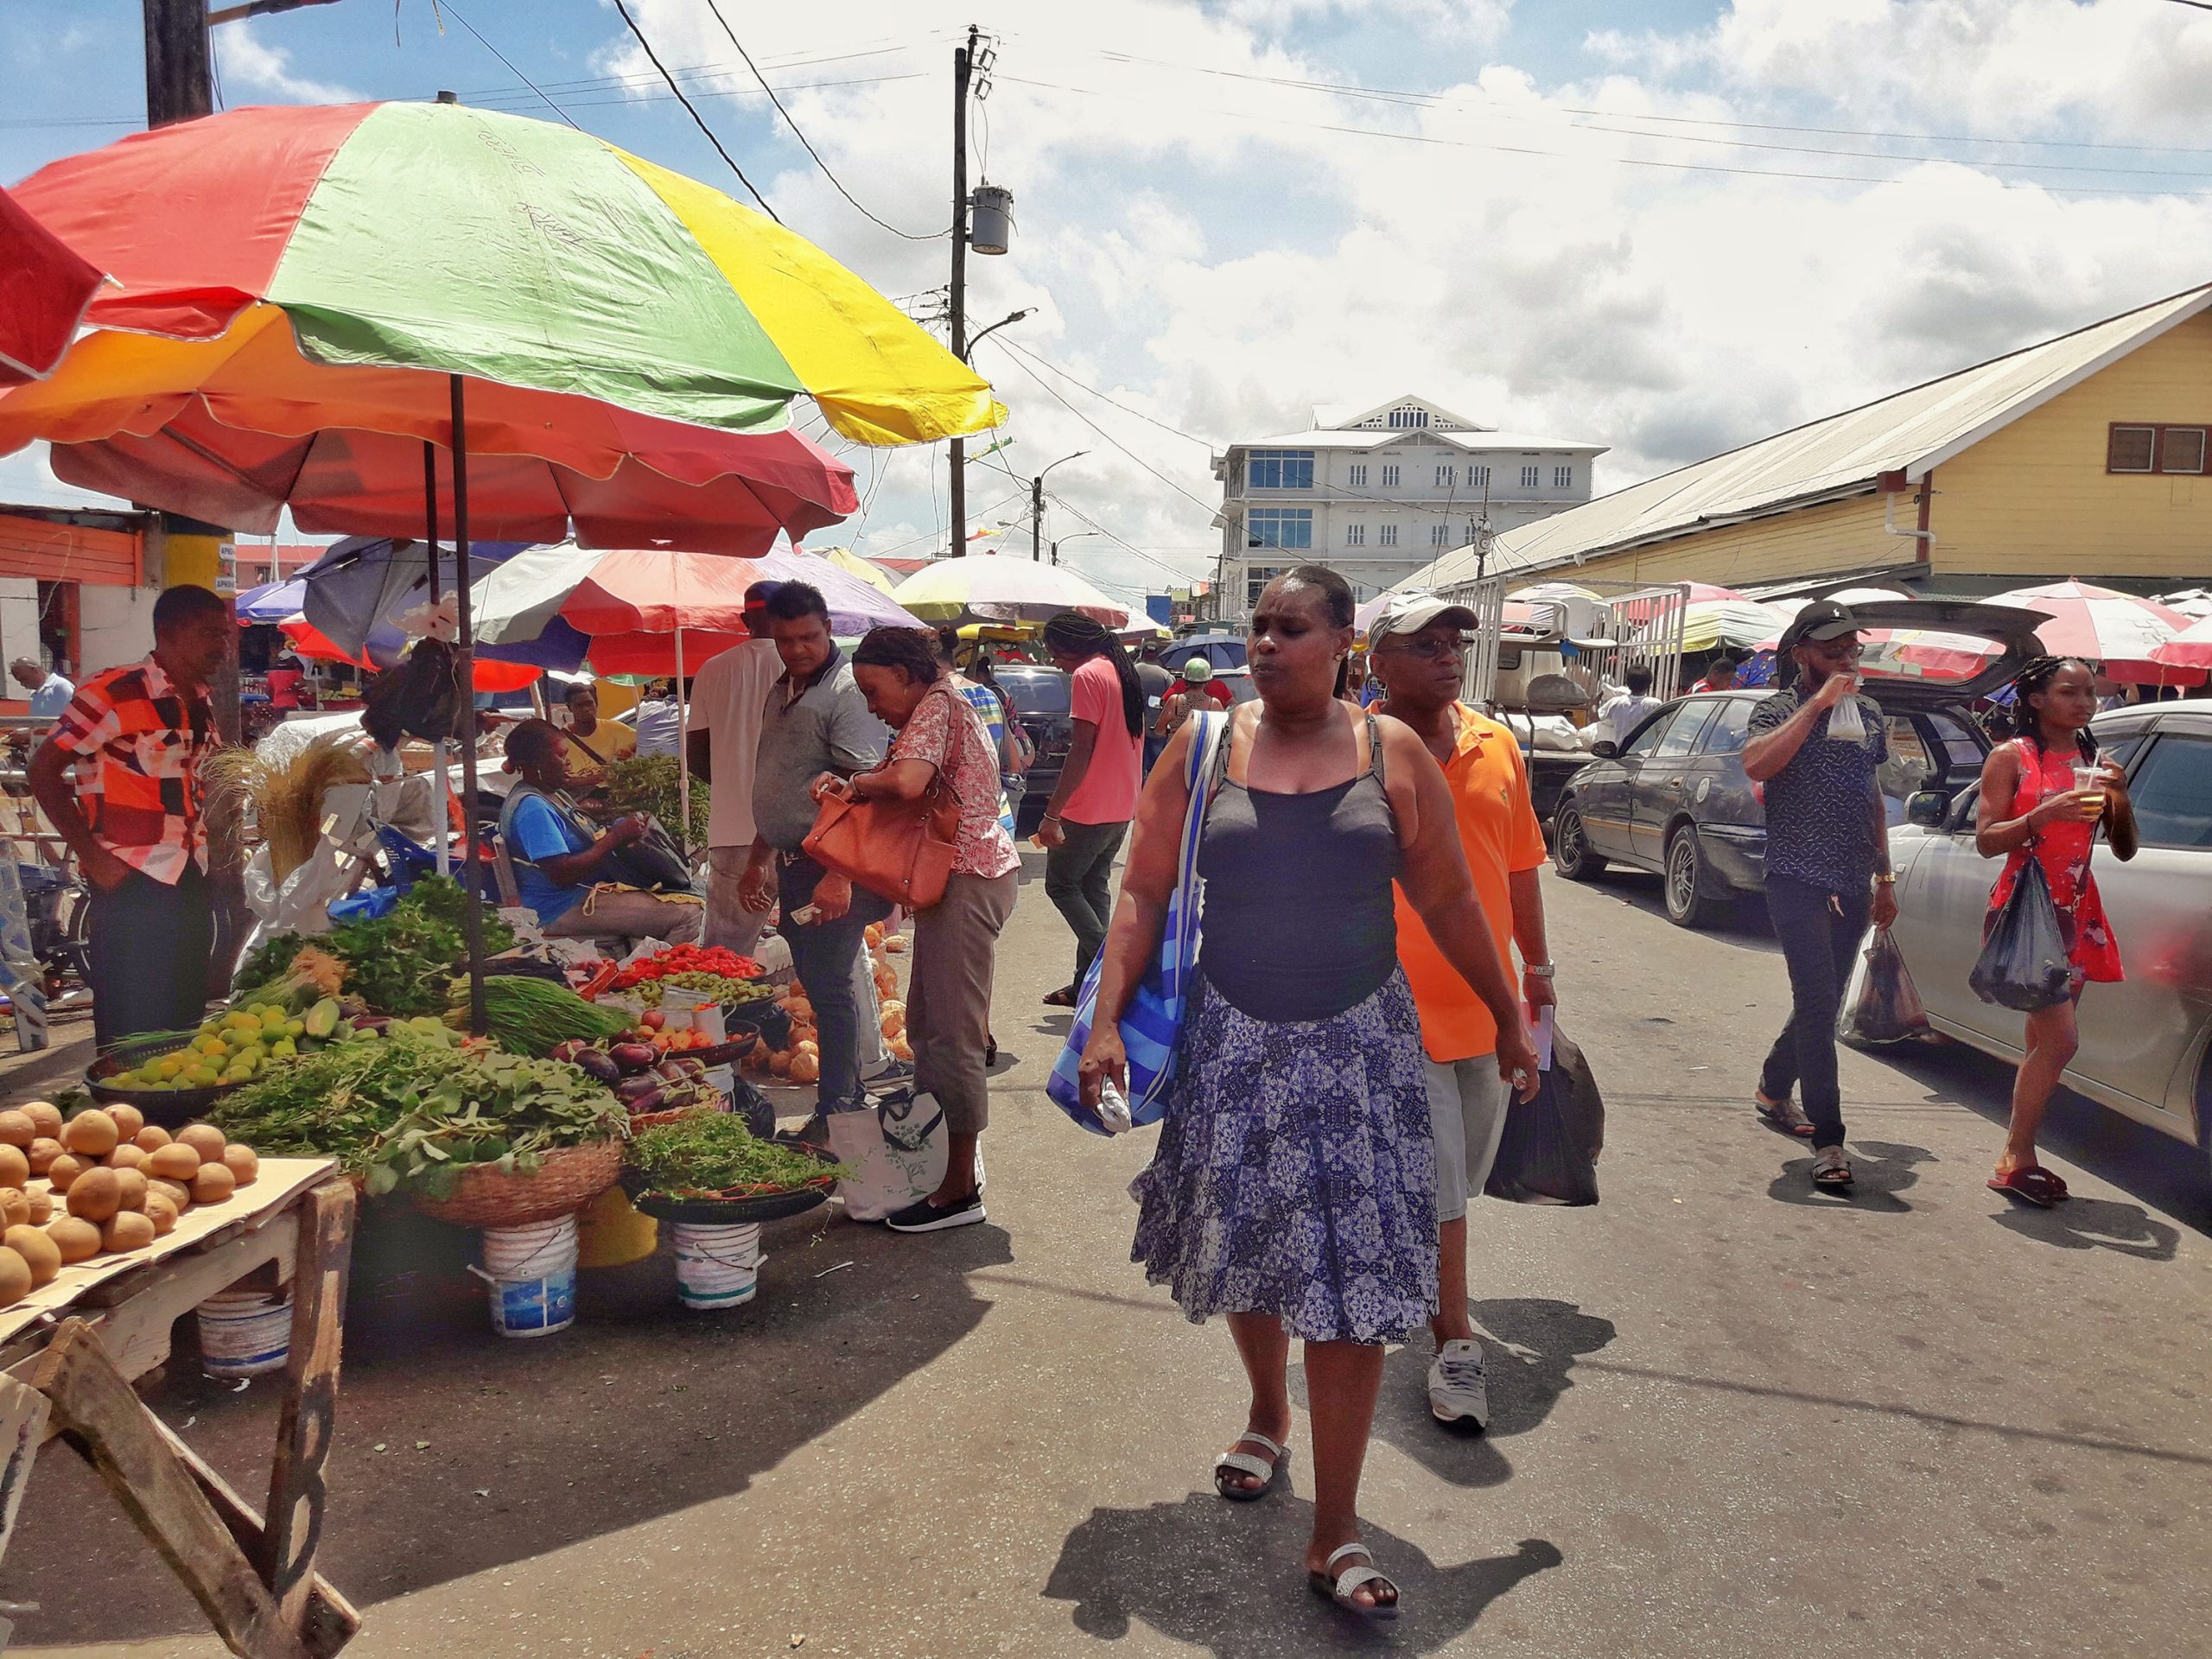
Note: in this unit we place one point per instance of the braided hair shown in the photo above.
(1074, 634)
(2021, 721)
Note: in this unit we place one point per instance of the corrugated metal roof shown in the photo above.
(1909, 431)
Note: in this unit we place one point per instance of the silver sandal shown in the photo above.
(1243, 1463)
(1339, 1588)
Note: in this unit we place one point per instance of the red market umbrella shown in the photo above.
(2119, 632)
(44, 290)
(2189, 652)
(308, 640)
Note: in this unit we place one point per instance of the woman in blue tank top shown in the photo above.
(1293, 1186)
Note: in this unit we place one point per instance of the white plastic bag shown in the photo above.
(1846, 723)
(896, 1153)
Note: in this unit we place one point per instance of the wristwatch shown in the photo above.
(1538, 970)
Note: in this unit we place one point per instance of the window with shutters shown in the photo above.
(1478, 478)
(1562, 478)
(2159, 448)
(1390, 475)
(1439, 535)
(1446, 477)
(1355, 535)
(1357, 472)
(1386, 536)
(1530, 476)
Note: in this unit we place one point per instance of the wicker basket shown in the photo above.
(644, 1121)
(563, 1182)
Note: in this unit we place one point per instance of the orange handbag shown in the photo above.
(899, 850)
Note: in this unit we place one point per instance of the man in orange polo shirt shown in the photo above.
(1414, 648)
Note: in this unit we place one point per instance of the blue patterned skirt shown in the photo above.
(1295, 1174)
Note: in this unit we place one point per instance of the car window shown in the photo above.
(1962, 750)
(1682, 731)
(1725, 734)
(1648, 740)
(2172, 793)
(1910, 766)
(1037, 694)
(2121, 750)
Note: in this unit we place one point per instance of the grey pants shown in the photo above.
(729, 924)
(1079, 880)
(948, 994)
(630, 916)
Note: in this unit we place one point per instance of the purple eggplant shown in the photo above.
(371, 1021)
(597, 1064)
(651, 1101)
(631, 1089)
(634, 1057)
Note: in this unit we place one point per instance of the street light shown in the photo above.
(1037, 502)
(1077, 537)
(1025, 311)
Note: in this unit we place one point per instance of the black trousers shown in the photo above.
(1818, 942)
(151, 944)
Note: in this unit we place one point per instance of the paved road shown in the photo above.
(1732, 1417)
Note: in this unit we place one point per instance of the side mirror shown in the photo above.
(1606, 749)
(1927, 808)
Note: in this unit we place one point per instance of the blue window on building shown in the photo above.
(1279, 469)
(1290, 527)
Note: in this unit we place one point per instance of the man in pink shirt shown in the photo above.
(1096, 796)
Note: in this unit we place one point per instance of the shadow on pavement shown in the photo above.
(458, 1450)
(2094, 1225)
(2168, 1175)
(1880, 1170)
(1530, 1346)
(1230, 1579)
(1742, 921)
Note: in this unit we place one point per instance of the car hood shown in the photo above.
(2009, 627)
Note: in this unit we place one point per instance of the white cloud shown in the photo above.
(1208, 243)
(247, 63)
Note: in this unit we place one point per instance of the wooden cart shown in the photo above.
(70, 1352)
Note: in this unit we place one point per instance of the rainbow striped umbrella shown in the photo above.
(431, 236)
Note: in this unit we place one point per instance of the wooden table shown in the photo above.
(70, 1352)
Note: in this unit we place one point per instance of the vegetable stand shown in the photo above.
(70, 1350)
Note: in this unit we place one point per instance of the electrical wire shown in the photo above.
(699, 120)
(805, 145)
(450, 6)
(1053, 393)
(1041, 363)
(1126, 545)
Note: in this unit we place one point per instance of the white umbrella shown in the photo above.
(998, 588)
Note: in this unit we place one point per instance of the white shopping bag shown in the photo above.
(896, 1153)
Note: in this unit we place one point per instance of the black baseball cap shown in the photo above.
(1821, 621)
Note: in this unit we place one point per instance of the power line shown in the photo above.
(1053, 393)
(1014, 346)
(836, 183)
(512, 70)
(694, 115)
(1127, 546)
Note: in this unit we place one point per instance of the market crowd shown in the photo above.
(1355, 1032)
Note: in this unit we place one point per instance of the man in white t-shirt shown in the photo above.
(723, 741)
(1625, 710)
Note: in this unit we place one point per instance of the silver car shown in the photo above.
(2146, 1043)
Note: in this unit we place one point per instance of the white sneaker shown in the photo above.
(1458, 1388)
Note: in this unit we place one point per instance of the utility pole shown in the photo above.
(179, 74)
(962, 58)
(1037, 502)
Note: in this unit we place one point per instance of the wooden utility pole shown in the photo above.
(180, 71)
(962, 58)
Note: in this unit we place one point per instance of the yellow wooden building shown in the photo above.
(2085, 456)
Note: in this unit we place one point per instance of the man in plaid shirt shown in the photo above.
(120, 779)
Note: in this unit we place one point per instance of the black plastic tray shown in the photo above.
(723, 1213)
(169, 1108)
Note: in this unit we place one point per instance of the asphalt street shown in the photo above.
(1731, 1416)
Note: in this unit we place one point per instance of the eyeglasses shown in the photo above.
(1428, 647)
(1835, 651)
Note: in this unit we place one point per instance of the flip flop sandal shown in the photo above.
(1783, 1115)
(1244, 1463)
(2036, 1186)
(1338, 1588)
(1062, 998)
(1831, 1175)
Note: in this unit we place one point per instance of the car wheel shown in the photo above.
(1571, 852)
(1688, 886)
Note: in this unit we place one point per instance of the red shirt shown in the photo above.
(138, 744)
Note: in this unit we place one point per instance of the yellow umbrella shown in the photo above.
(845, 559)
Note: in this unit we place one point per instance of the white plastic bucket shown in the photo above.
(246, 1331)
(531, 1274)
(717, 1267)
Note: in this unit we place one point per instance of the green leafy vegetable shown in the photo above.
(397, 963)
(652, 783)
(714, 1153)
(529, 1015)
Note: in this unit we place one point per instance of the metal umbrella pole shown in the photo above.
(441, 837)
(464, 669)
(683, 756)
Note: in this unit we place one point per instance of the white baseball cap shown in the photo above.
(1411, 613)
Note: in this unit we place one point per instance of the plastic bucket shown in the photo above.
(245, 1332)
(531, 1274)
(717, 1267)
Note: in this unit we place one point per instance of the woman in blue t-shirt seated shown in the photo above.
(558, 854)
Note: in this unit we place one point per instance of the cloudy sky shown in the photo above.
(1665, 225)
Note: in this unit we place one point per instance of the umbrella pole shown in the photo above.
(683, 758)
(443, 839)
(465, 666)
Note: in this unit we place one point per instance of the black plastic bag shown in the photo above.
(2023, 963)
(1889, 1009)
(421, 697)
(1548, 1152)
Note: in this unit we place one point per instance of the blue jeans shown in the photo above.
(822, 954)
(1818, 945)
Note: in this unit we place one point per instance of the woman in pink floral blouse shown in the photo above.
(956, 940)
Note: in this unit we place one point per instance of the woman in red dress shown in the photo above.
(2035, 804)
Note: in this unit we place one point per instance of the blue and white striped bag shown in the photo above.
(1154, 1015)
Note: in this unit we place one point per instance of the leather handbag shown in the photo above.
(899, 850)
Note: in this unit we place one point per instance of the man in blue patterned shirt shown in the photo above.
(1816, 747)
